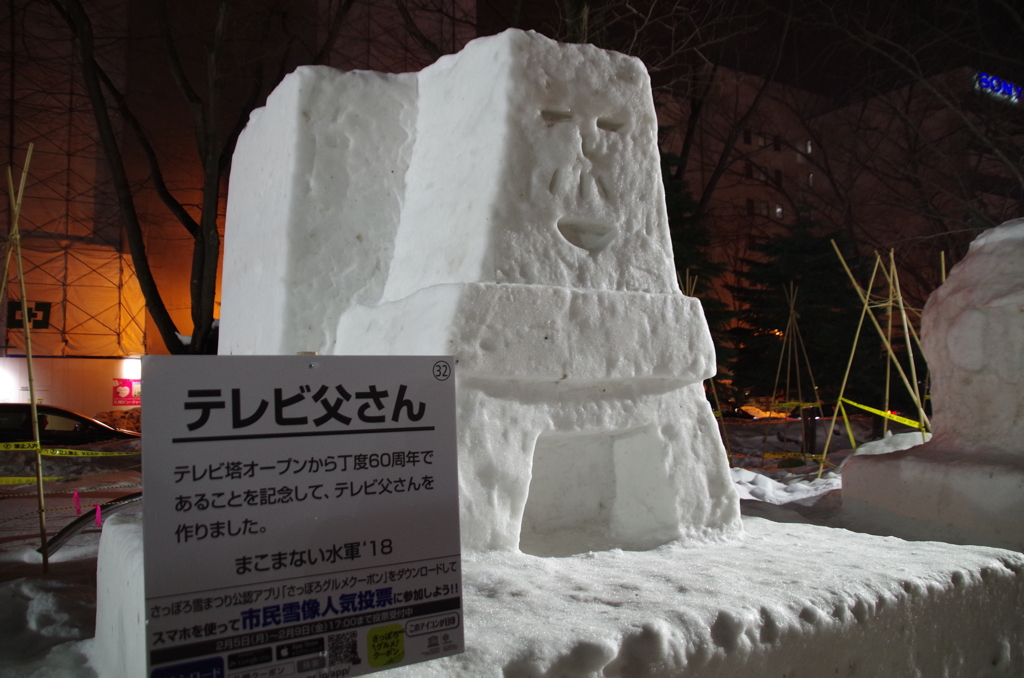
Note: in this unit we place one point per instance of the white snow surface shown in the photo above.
(972, 333)
(796, 488)
(317, 184)
(893, 442)
(966, 484)
(535, 162)
(785, 599)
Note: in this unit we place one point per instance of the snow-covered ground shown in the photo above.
(723, 609)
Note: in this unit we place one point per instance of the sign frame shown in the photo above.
(301, 515)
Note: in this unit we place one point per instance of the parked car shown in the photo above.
(57, 427)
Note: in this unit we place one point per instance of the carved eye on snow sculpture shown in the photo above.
(582, 180)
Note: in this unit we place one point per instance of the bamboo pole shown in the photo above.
(910, 346)
(878, 327)
(849, 367)
(14, 242)
(721, 419)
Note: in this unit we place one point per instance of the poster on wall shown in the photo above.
(128, 392)
(302, 515)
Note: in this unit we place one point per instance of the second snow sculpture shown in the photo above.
(503, 206)
(966, 484)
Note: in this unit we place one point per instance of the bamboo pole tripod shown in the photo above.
(891, 304)
(794, 357)
(13, 248)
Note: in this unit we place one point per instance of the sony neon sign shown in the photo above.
(998, 88)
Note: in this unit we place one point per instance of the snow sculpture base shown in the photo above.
(787, 599)
(120, 644)
(966, 484)
(932, 494)
(568, 443)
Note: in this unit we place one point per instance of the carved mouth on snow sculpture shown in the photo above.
(587, 235)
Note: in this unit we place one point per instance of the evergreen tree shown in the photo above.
(691, 244)
(827, 307)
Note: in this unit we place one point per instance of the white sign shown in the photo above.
(301, 515)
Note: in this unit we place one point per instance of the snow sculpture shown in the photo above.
(966, 484)
(973, 336)
(521, 228)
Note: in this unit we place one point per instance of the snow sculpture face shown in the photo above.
(580, 151)
(585, 159)
(550, 172)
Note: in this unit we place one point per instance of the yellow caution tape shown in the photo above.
(782, 455)
(10, 480)
(18, 446)
(57, 452)
(60, 451)
(888, 415)
(795, 404)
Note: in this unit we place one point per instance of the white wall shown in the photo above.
(84, 385)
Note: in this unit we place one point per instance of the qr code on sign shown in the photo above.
(341, 649)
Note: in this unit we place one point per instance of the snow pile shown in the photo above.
(965, 485)
(893, 443)
(796, 488)
(120, 646)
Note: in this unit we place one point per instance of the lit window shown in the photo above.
(810, 179)
(778, 210)
(810, 147)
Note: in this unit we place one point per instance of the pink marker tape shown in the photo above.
(99, 520)
(78, 505)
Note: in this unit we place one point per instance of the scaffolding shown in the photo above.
(83, 298)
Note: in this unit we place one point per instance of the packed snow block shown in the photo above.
(786, 600)
(540, 332)
(535, 162)
(317, 183)
(929, 493)
(504, 206)
(119, 650)
(966, 484)
(567, 442)
(541, 260)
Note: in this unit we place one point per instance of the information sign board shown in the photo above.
(301, 515)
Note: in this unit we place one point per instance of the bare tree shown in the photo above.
(236, 56)
(927, 149)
